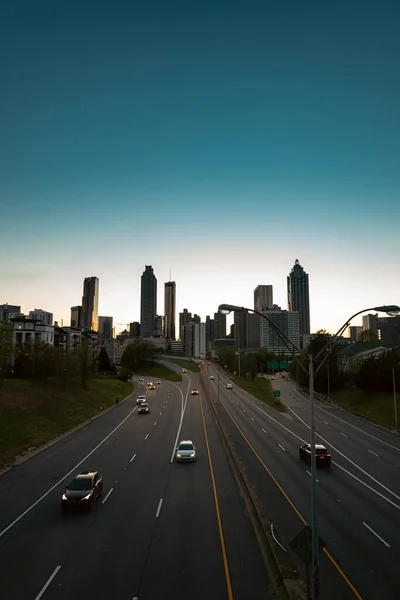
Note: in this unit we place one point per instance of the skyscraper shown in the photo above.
(185, 317)
(106, 329)
(170, 309)
(240, 329)
(298, 296)
(148, 301)
(287, 323)
(76, 316)
(219, 326)
(90, 303)
(370, 322)
(263, 297)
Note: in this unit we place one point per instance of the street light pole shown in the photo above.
(394, 397)
(329, 387)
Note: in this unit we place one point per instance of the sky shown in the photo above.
(221, 140)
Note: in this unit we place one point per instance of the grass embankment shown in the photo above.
(261, 389)
(187, 364)
(377, 406)
(30, 415)
(157, 371)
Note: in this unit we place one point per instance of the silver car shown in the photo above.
(186, 451)
(144, 408)
(140, 399)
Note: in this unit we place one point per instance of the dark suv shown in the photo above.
(83, 491)
(322, 456)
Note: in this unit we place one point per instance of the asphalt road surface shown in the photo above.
(358, 497)
(161, 529)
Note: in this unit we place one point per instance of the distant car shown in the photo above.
(195, 392)
(141, 379)
(209, 363)
(82, 492)
(152, 387)
(286, 378)
(229, 386)
(144, 408)
(184, 371)
(322, 456)
(272, 378)
(140, 399)
(149, 383)
(212, 377)
(186, 451)
(158, 382)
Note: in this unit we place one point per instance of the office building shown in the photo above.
(199, 346)
(196, 318)
(134, 329)
(8, 311)
(76, 316)
(176, 347)
(158, 326)
(298, 296)
(253, 331)
(90, 304)
(106, 330)
(288, 323)
(389, 328)
(263, 297)
(219, 326)
(240, 329)
(148, 301)
(209, 333)
(185, 317)
(370, 322)
(41, 315)
(354, 331)
(170, 309)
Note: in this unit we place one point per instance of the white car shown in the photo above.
(186, 451)
(212, 377)
(140, 399)
(229, 386)
(184, 371)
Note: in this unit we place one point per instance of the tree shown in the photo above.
(369, 336)
(6, 349)
(84, 361)
(376, 373)
(320, 378)
(104, 364)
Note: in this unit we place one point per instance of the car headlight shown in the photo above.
(64, 497)
(179, 456)
(192, 455)
(87, 497)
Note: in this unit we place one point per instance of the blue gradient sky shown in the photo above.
(221, 140)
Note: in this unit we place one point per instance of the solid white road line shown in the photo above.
(109, 493)
(184, 403)
(352, 462)
(374, 453)
(273, 535)
(343, 434)
(146, 436)
(263, 430)
(367, 486)
(133, 458)
(376, 535)
(282, 447)
(359, 429)
(159, 508)
(48, 582)
(66, 475)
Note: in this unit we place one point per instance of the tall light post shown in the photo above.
(323, 354)
(394, 397)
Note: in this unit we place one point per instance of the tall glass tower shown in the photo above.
(148, 302)
(298, 296)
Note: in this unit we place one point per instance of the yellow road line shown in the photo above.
(335, 564)
(221, 532)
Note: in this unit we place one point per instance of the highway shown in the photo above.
(161, 529)
(358, 498)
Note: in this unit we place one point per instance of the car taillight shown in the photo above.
(328, 455)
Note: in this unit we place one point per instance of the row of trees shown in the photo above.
(138, 352)
(35, 360)
(372, 374)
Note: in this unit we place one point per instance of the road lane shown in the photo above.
(341, 502)
(43, 536)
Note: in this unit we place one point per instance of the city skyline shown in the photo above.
(220, 144)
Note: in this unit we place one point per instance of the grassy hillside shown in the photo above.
(33, 415)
